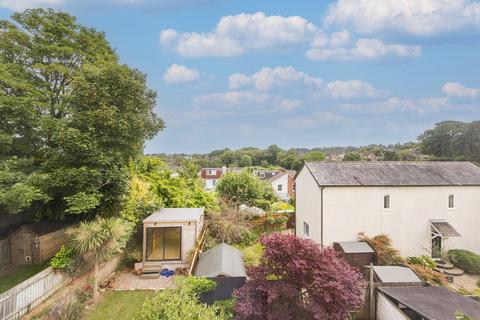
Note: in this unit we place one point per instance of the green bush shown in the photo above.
(181, 302)
(424, 261)
(225, 308)
(465, 260)
(252, 254)
(65, 261)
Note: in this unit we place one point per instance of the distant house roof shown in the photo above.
(396, 275)
(221, 260)
(281, 174)
(175, 215)
(355, 247)
(395, 173)
(433, 303)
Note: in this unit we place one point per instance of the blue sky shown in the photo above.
(237, 73)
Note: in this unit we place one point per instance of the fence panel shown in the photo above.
(4, 253)
(21, 299)
(223, 290)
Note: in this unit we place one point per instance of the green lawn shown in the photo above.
(18, 275)
(119, 305)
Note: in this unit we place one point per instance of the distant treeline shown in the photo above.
(448, 140)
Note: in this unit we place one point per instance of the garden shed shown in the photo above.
(396, 276)
(224, 265)
(35, 243)
(357, 253)
(169, 235)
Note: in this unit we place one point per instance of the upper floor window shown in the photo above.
(279, 187)
(212, 172)
(451, 201)
(306, 229)
(386, 201)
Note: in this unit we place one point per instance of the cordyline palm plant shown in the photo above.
(98, 241)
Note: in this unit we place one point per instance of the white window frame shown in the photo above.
(387, 196)
(306, 229)
(453, 201)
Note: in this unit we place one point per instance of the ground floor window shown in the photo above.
(164, 243)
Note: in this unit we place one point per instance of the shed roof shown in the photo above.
(395, 173)
(355, 247)
(434, 303)
(221, 260)
(45, 227)
(175, 215)
(396, 274)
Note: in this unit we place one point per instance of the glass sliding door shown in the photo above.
(164, 243)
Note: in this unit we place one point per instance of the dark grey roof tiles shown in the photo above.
(395, 173)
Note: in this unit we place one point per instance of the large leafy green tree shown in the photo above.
(71, 117)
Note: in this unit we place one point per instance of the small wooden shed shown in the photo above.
(357, 253)
(168, 236)
(37, 242)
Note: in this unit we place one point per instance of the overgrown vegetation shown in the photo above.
(63, 150)
(386, 254)
(465, 260)
(182, 302)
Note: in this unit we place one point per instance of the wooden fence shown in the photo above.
(4, 253)
(22, 298)
(198, 250)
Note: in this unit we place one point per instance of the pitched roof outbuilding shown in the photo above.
(175, 215)
(395, 173)
(221, 260)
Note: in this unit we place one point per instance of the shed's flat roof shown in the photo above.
(396, 274)
(355, 247)
(434, 303)
(175, 214)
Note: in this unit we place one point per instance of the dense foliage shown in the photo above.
(182, 302)
(465, 260)
(245, 188)
(71, 117)
(452, 140)
(99, 240)
(385, 253)
(297, 279)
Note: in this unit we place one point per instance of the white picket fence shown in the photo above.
(22, 298)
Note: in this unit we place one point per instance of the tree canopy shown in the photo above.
(71, 117)
(297, 279)
(245, 188)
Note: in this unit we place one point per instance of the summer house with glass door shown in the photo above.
(169, 234)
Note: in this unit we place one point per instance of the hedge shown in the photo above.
(465, 260)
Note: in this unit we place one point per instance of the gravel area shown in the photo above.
(130, 281)
(467, 281)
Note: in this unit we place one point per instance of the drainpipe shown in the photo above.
(321, 215)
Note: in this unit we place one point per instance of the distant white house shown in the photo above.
(283, 184)
(210, 176)
(425, 207)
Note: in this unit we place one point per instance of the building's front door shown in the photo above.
(164, 244)
(437, 247)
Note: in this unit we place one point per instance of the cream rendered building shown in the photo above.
(425, 207)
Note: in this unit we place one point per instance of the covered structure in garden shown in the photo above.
(168, 235)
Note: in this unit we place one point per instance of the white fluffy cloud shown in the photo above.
(234, 35)
(364, 49)
(315, 119)
(274, 78)
(352, 89)
(395, 104)
(414, 17)
(232, 98)
(455, 89)
(180, 74)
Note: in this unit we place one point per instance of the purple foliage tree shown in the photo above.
(297, 279)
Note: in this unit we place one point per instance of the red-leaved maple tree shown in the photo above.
(297, 279)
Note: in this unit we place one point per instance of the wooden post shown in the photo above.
(372, 294)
